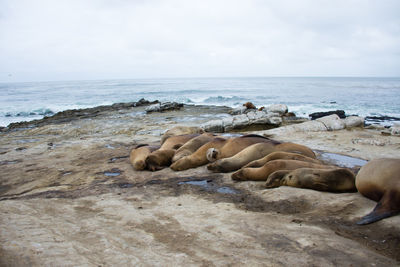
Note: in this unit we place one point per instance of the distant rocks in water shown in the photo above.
(166, 106)
(379, 119)
(317, 115)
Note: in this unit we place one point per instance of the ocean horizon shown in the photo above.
(363, 96)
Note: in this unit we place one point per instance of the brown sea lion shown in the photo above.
(180, 130)
(338, 180)
(281, 155)
(257, 151)
(379, 180)
(225, 147)
(192, 145)
(162, 157)
(138, 156)
(249, 105)
(262, 173)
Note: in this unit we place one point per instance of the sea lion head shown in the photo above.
(277, 179)
(215, 167)
(180, 164)
(212, 154)
(159, 159)
(139, 165)
(240, 175)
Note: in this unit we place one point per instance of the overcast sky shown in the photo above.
(43, 40)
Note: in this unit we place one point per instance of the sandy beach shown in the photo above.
(69, 197)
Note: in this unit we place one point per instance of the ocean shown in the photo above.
(303, 95)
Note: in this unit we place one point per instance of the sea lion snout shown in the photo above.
(275, 179)
(239, 175)
(139, 165)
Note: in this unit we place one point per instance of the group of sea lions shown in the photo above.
(258, 158)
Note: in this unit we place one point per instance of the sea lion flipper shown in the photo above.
(380, 212)
(375, 215)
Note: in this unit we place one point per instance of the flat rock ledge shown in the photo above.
(328, 123)
(76, 114)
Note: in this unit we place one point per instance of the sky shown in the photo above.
(47, 40)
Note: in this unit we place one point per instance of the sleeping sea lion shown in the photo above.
(331, 180)
(162, 157)
(192, 145)
(262, 173)
(180, 130)
(138, 156)
(225, 147)
(281, 155)
(257, 151)
(379, 180)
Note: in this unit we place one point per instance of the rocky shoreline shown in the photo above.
(69, 196)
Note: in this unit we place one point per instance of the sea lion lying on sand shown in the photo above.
(332, 180)
(192, 145)
(255, 152)
(379, 180)
(282, 155)
(138, 156)
(262, 173)
(162, 157)
(225, 147)
(181, 130)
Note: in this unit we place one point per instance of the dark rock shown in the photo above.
(377, 119)
(317, 115)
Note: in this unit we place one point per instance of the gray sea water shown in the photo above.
(303, 95)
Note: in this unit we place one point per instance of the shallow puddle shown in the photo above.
(7, 162)
(208, 185)
(226, 190)
(23, 141)
(113, 172)
(341, 160)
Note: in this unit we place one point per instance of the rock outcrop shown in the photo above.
(166, 106)
(327, 123)
(254, 117)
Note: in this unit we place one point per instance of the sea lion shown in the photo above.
(338, 180)
(192, 145)
(257, 151)
(181, 130)
(262, 173)
(162, 157)
(249, 105)
(138, 156)
(225, 147)
(379, 180)
(281, 155)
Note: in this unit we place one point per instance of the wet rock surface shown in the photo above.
(78, 201)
